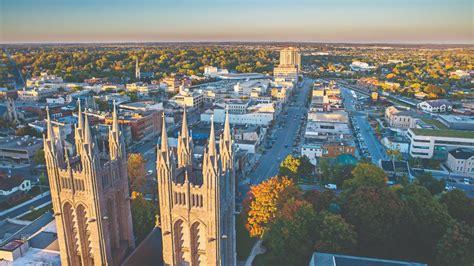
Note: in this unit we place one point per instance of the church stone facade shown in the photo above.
(90, 196)
(197, 200)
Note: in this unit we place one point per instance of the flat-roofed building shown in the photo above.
(436, 143)
(19, 149)
(36, 94)
(436, 106)
(189, 99)
(286, 72)
(457, 122)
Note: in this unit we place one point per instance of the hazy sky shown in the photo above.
(433, 21)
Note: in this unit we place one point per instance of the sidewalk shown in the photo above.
(25, 203)
(256, 250)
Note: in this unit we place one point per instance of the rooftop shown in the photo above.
(327, 259)
(443, 133)
(462, 153)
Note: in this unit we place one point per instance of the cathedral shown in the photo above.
(197, 199)
(90, 196)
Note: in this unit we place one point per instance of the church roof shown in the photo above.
(149, 252)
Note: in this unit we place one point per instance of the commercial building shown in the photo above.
(436, 106)
(36, 94)
(173, 83)
(141, 124)
(314, 149)
(19, 149)
(290, 65)
(327, 125)
(457, 122)
(461, 161)
(360, 66)
(259, 86)
(290, 57)
(241, 112)
(436, 143)
(212, 72)
(400, 117)
(189, 99)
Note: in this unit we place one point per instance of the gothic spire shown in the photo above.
(212, 140)
(49, 125)
(87, 132)
(115, 126)
(227, 135)
(184, 127)
(164, 135)
(80, 122)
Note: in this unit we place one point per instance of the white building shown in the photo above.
(212, 72)
(360, 66)
(259, 86)
(36, 94)
(400, 117)
(189, 99)
(10, 185)
(286, 73)
(241, 113)
(313, 151)
(436, 143)
(436, 106)
(461, 161)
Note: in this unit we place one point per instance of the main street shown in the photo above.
(284, 137)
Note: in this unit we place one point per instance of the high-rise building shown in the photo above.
(137, 70)
(90, 196)
(197, 201)
(290, 64)
(290, 57)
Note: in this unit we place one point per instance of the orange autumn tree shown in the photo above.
(264, 202)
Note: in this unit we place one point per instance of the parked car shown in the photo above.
(331, 186)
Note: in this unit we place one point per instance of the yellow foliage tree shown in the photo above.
(136, 170)
(265, 201)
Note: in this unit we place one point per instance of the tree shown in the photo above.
(306, 168)
(433, 185)
(455, 247)
(319, 200)
(144, 215)
(460, 207)
(290, 238)
(428, 219)
(289, 167)
(264, 202)
(365, 175)
(334, 234)
(39, 157)
(377, 214)
(136, 170)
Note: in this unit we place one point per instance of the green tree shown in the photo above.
(365, 175)
(460, 207)
(456, 246)
(428, 221)
(290, 238)
(305, 169)
(144, 215)
(433, 185)
(377, 214)
(320, 200)
(39, 157)
(334, 234)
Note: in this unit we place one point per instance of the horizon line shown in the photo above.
(243, 41)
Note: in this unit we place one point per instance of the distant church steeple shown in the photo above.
(137, 69)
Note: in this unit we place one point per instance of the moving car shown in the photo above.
(331, 186)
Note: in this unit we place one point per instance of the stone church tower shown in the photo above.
(197, 200)
(90, 196)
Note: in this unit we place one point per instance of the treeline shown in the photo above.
(367, 218)
(75, 64)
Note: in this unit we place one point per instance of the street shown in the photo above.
(376, 149)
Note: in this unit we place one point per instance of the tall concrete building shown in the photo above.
(90, 196)
(197, 200)
(290, 64)
(137, 70)
(290, 57)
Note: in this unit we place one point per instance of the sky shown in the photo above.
(351, 21)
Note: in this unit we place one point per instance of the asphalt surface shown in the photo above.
(375, 148)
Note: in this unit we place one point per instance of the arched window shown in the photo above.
(198, 244)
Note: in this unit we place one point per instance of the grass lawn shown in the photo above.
(435, 122)
(36, 213)
(244, 241)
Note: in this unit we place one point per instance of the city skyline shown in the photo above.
(341, 21)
